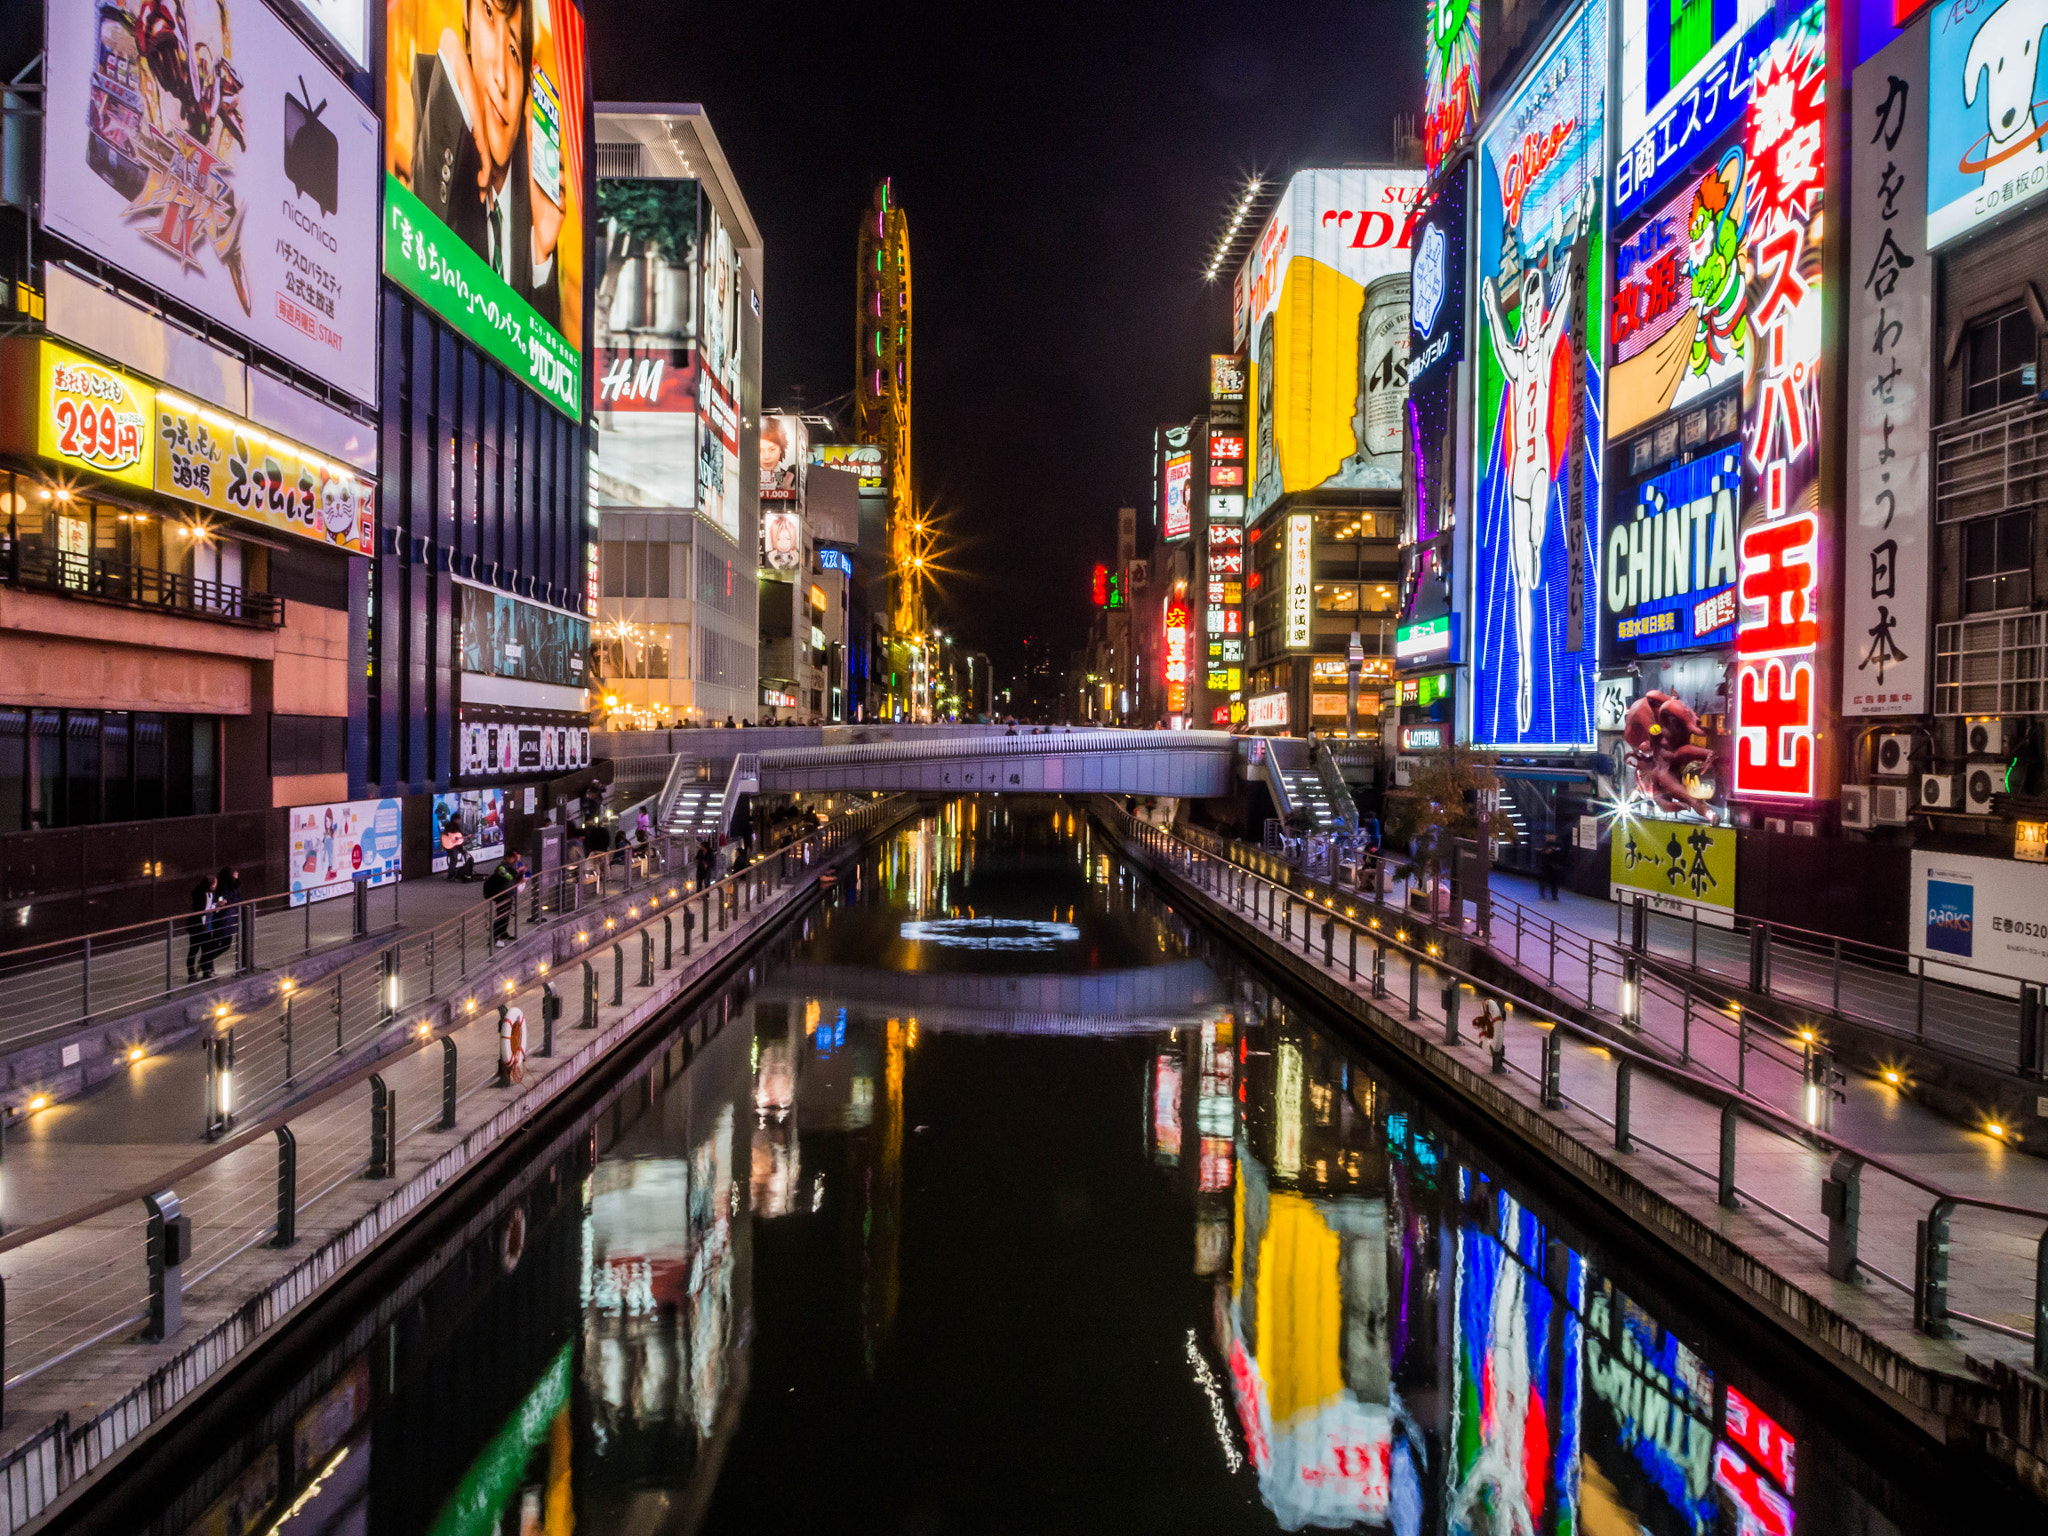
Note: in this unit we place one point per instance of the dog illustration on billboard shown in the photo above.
(2000, 67)
(1530, 362)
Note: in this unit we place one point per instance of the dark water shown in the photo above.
(994, 1199)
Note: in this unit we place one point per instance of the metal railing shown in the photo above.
(100, 1271)
(35, 565)
(65, 984)
(1271, 905)
(1994, 461)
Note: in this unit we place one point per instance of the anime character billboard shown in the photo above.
(1540, 346)
(1987, 114)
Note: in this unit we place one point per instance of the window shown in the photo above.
(1998, 563)
(1995, 351)
(308, 744)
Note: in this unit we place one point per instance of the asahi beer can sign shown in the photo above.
(1383, 371)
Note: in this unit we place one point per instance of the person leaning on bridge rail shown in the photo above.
(199, 927)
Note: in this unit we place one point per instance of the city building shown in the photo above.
(676, 473)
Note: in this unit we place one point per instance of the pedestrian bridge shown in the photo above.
(1175, 764)
(1169, 996)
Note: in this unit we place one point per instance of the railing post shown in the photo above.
(1287, 922)
(1414, 986)
(1837, 1006)
(1553, 1068)
(618, 974)
(288, 1073)
(1329, 939)
(646, 957)
(2040, 1306)
(1759, 955)
(1354, 954)
(1920, 1003)
(1729, 1117)
(287, 1188)
(668, 941)
(245, 936)
(168, 1241)
(85, 980)
(1632, 991)
(1685, 1036)
(339, 1015)
(550, 1011)
(447, 1083)
(1379, 969)
(383, 1117)
(1930, 1274)
(1841, 1201)
(1624, 1076)
(1450, 1002)
(361, 899)
(2031, 1063)
(1639, 923)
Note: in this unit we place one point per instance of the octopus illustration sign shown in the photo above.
(1540, 346)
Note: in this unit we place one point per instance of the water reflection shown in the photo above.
(1101, 1233)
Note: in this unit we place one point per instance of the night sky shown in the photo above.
(1064, 177)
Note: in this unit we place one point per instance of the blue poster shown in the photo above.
(1987, 118)
(1540, 341)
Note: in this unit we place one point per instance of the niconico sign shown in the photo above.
(1542, 233)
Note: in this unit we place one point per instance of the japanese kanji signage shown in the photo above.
(1680, 865)
(1891, 309)
(1779, 551)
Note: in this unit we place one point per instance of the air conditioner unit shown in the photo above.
(1980, 783)
(1984, 738)
(1894, 755)
(1941, 791)
(1891, 804)
(1857, 809)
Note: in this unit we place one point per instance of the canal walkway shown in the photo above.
(81, 1377)
(1736, 1179)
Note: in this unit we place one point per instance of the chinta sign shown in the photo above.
(1779, 555)
(1539, 348)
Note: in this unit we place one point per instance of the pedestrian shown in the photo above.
(730, 724)
(200, 928)
(1550, 869)
(498, 892)
(227, 919)
(705, 860)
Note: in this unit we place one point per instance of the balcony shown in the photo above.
(36, 567)
(1994, 461)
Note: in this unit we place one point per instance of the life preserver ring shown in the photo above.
(512, 1239)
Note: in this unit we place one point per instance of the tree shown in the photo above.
(1453, 793)
(653, 218)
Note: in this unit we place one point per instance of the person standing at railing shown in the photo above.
(227, 920)
(200, 929)
(498, 889)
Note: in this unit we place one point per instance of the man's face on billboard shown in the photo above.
(497, 61)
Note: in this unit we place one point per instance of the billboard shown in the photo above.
(483, 178)
(347, 22)
(719, 456)
(1539, 349)
(1298, 600)
(332, 846)
(479, 816)
(1174, 472)
(1679, 865)
(869, 460)
(1450, 77)
(1679, 317)
(1668, 560)
(1980, 914)
(1685, 76)
(1891, 366)
(644, 328)
(785, 456)
(1985, 118)
(782, 537)
(505, 636)
(1227, 385)
(216, 157)
(1323, 299)
(1779, 551)
(490, 743)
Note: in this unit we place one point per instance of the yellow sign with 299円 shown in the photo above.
(90, 417)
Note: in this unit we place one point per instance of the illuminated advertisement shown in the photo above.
(1176, 656)
(1680, 314)
(782, 539)
(1226, 458)
(90, 416)
(1177, 481)
(868, 460)
(1299, 599)
(332, 846)
(503, 265)
(477, 818)
(1779, 555)
(208, 150)
(1679, 865)
(1651, 1399)
(1986, 116)
(1668, 560)
(785, 456)
(718, 377)
(1980, 914)
(1428, 642)
(1228, 385)
(1518, 1359)
(505, 636)
(1685, 78)
(1450, 77)
(490, 743)
(1323, 299)
(1166, 1108)
(1891, 367)
(1267, 712)
(1539, 349)
(646, 450)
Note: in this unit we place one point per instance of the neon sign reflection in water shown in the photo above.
(988, 933)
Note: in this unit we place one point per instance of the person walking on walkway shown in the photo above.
(498, 888)
(705, 860)
(200, 928)
(1549, 869)
(227, 920)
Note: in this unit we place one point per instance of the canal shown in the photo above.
(991, 1196)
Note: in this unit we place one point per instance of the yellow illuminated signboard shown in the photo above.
(1678, 864)
(90, 417)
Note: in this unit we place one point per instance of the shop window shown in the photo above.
(613, 563)
(1999, 353)
(636, 568)
(302, 744)
(1998, 562)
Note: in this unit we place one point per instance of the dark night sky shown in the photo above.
(1063, 181)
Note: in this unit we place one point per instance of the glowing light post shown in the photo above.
(1777, 636)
